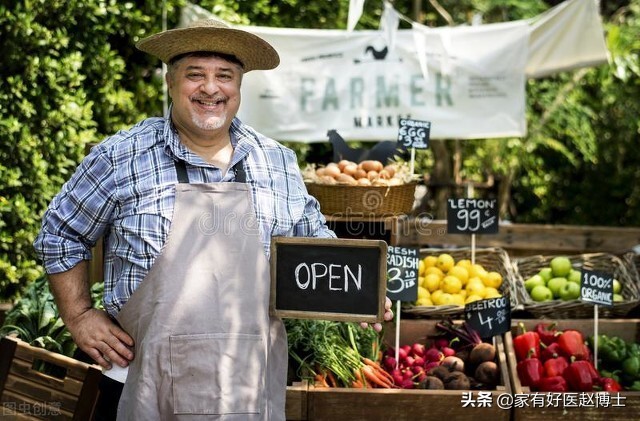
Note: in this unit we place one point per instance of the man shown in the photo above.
(187, 206)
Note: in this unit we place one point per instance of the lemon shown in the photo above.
(424, 302)
(465, 263)
(431, 282)
(493, 279)
(460, 273)
(457, 299)
(435, 271)
(477, 271)
(472, 298)
(429, 261)
(463, 292)
(476, 287)
(420, 281)
(444, 299)
(445, 262)
(421, 267)
(451, 284)
(435, 296)
(490, 292)
(423, 293)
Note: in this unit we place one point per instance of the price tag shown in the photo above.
(414, 133)
(596, 287)
(402, 273)
(472, 216)
(489, 317)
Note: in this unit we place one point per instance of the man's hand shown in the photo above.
(388, 316)
(92, 329)
(103, 340)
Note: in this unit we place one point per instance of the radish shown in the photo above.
(418, 349)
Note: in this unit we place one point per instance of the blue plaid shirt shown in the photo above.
(124, 190)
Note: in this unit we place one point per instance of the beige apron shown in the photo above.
(205, 346)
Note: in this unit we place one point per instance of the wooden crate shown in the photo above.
(296, 401)
(628, 329)
(68, 391)
(332, 404)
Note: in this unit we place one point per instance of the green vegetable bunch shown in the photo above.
(619, 360)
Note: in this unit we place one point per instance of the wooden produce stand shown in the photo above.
(626, 407)
(524, 239)
(332, 404)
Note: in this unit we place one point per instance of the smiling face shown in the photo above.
(205, 91)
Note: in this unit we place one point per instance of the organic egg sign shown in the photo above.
(472, 216)
(402, 270)
(596, 287)
(414, 133)
(328, 279)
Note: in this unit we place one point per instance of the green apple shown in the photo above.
(617, 286)
(533, 282)
(575, 276)
(556, 284)
(617, 298)
(541, 293)
(546, 274)
(570, 291)
(560, 266)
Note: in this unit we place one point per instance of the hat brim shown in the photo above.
(253, 52)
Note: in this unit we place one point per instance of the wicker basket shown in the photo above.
(491, 258)
(343, 200)
(573, 309)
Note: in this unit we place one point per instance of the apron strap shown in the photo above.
(183, 176)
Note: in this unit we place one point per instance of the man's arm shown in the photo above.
(92, 329)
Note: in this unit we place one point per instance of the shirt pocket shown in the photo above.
(217, 373)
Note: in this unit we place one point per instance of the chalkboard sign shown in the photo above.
(414, 133)
(596, 287)
(489, 317)
(328, 279)
(402, 268)
(472, 216)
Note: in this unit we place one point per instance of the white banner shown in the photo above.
(468, 81)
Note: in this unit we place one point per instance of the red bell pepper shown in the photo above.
(572, 344)
(555, 366)
(587, 353)
(526, 345)
(530, 372)
(551, 351)
(553, 384)
(609, 385)
(581, 376)
(547, 332)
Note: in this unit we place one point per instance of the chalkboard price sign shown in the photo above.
(472, 216)
(328, 279)
(489, 317)
(414, 133)
(402, 268)
(596, 287)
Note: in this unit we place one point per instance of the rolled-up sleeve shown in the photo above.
(78, 215)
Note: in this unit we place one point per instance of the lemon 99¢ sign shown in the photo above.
(472, 216)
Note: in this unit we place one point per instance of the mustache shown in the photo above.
(207, 98)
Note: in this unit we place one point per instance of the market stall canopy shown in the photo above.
(468, 81)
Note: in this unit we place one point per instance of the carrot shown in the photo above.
(371, 374)
(320, 381)
(331, 379)
(357, 384)
(378, 368)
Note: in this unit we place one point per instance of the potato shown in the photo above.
(363, 182)
(360, 173)
(320, 172)
(332, 170)
(343, 163)
(346, 179)
(372, 175)
(371, 165)
(350, 169)
(327, 179)
(391, 169)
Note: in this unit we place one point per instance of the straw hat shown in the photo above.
(215, 36)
